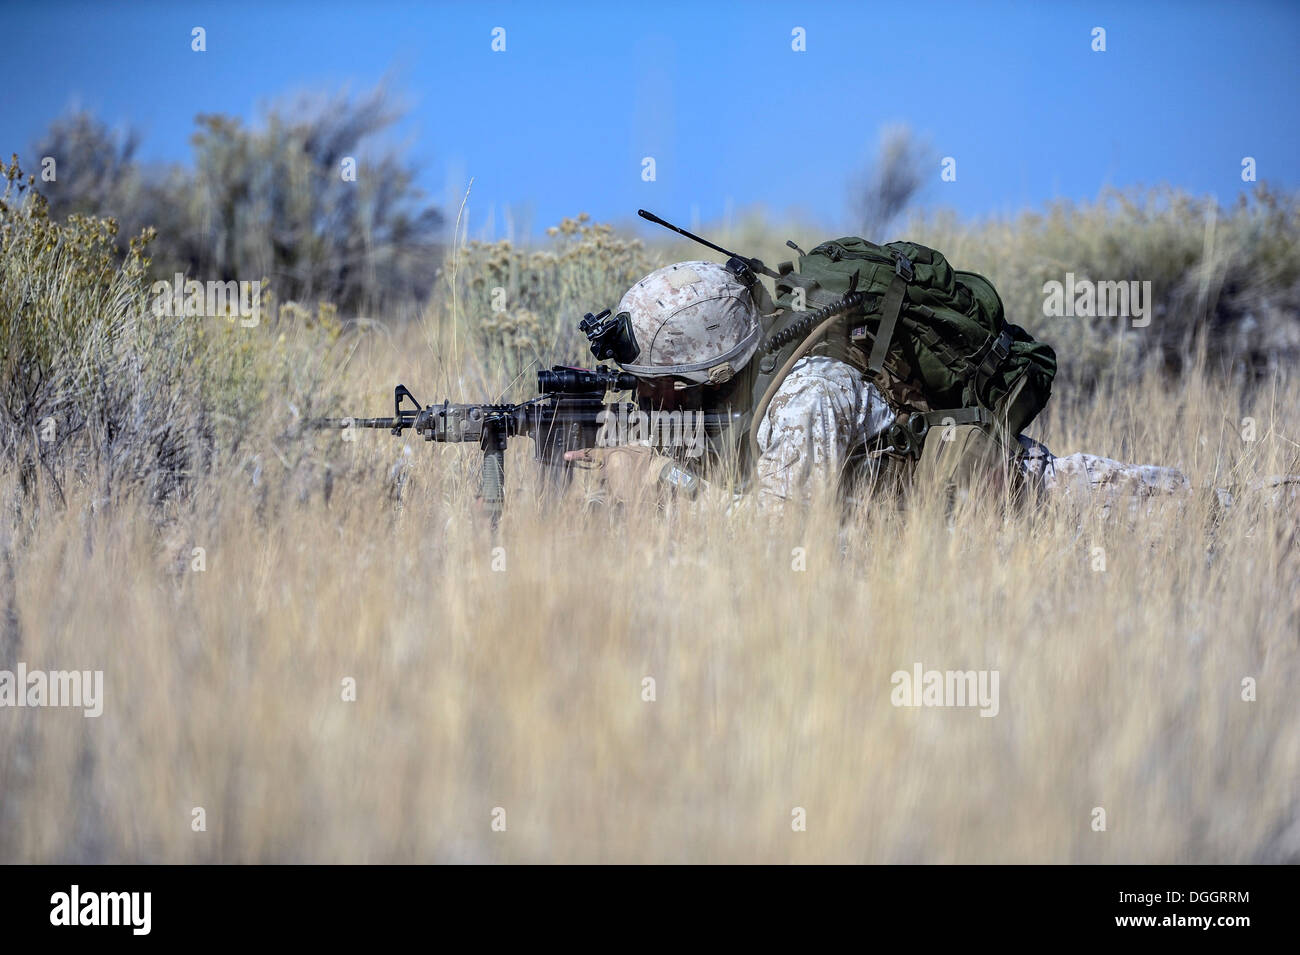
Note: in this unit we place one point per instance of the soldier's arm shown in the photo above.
(822, 411)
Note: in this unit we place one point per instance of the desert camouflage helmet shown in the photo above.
(692, 320)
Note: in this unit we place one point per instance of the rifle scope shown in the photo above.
(583, 381)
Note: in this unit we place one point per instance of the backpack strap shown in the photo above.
(890, 309)
(968, 415)
(910, 439)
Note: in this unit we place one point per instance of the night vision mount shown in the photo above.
(610, 337)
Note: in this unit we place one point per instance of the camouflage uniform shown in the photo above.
(826, 408)
(1104, 482)
(823, 411)
(1100, 480)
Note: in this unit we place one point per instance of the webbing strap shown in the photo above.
(890, 308)
(955, 416)
(955, 363)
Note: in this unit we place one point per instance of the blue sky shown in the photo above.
(560, 121)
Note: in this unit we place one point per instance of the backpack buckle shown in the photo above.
(998, 351)
(903, 266)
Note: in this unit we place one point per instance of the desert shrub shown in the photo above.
(68, 321)
(266, 200)
(97, 386)
(522, 305)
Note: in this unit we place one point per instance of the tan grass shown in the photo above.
(522, 688)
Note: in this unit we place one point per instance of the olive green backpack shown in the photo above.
(934, 339)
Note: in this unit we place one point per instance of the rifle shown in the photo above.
(568, 414)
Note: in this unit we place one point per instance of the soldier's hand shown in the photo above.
(624, 474)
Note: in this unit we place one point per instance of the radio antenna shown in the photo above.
(754, 265)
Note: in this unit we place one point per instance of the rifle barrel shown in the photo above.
(378, 423)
